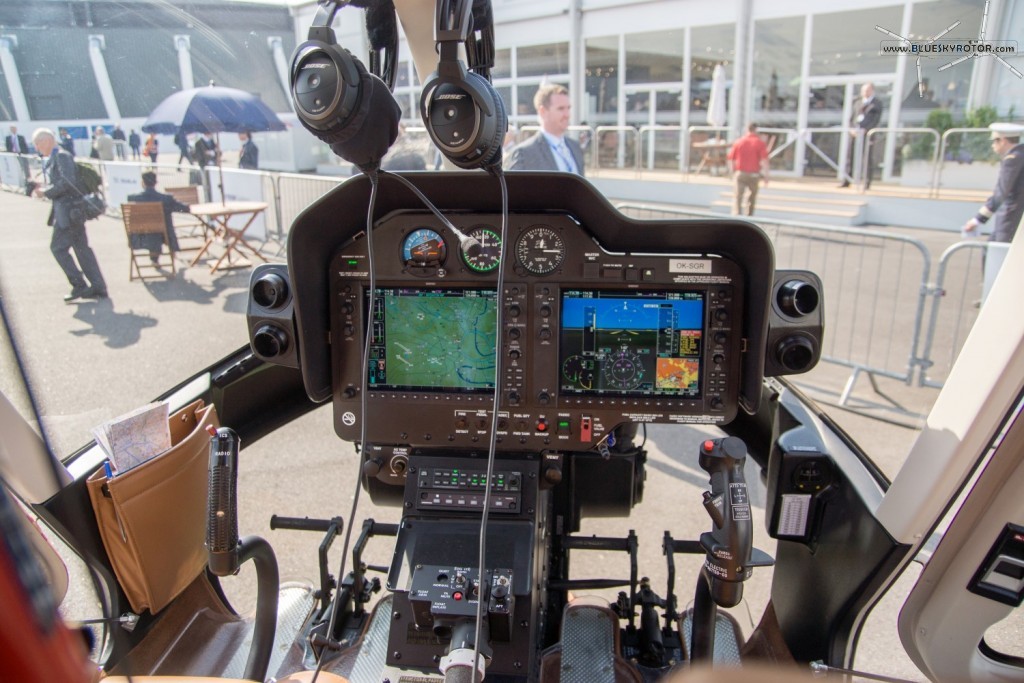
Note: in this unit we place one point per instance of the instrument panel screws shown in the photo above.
(396, 615)
(396, 655)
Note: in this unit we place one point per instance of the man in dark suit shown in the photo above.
(152, 241)
(16, 143)
(550, 149)
(867, 115)
(65, 191)
(249, 156)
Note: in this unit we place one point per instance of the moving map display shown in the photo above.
(631, 343)
(433, 339)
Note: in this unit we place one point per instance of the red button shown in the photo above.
(708, 446)
(457, 595)
(542, 426)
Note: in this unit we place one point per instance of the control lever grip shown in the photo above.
(729, 546)
(222, 503)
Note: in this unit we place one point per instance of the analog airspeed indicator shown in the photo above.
(540, 250)
(483, 255)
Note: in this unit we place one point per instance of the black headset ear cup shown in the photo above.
(374, 128)
(465, 118)
(343, 104)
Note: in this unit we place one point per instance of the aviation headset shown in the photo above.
(463, 113)
(338, 100)
(353, 110)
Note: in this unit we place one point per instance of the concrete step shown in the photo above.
(782, 198)
(849, 216)
(834, 209)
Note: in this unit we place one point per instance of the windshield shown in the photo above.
(111, 308)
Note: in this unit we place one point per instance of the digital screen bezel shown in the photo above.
(565, 353)
(383, 293)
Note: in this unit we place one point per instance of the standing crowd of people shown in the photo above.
(550, 149)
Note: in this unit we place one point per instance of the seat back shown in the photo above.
(142, 219)
(188, 194)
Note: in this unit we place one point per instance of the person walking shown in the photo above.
(66, 141)
(65, 191)
(249, 157)
(119, 139)
(868, 114)
(152, 147)
(184, 151)
(207, 152)
(135, 142)
(103, 144)
(1006, 205)
(749, 163)
(550, 149)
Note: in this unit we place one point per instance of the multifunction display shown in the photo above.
(637, 343)
(433, 339)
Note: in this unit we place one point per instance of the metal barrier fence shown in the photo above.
(956, 300)
(915, 157)
(296, 191)
(876, 290)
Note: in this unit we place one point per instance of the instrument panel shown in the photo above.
(586, 338)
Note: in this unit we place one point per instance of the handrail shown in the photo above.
(937, 182)
(620, 150)
(919, 131)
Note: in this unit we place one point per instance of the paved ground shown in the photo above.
(90, 361)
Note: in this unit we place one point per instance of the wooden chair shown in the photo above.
(188, 195)
(147, 218)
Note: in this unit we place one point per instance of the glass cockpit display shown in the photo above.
(631, 343)
(433, 340)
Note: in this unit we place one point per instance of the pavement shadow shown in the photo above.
(180, 289)
(237, 301)
(118, 330)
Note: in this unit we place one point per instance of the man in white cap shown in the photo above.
(1007, 202)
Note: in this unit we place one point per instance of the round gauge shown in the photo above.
(483, 257)
(540, 250)
(622, 369)
(424, 247)
(579, 370)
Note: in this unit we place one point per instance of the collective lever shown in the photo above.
(225, 553)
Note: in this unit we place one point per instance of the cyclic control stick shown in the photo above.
(730, 556)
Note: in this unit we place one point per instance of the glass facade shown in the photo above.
(711, 46)
(664, 77)
(847, 43)
(778, 56)
(601, 76)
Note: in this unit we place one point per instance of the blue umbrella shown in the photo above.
(213, 109)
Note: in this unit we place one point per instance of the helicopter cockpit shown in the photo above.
(493, 346)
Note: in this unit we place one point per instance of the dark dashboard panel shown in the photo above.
(605, 319)
(588, 339)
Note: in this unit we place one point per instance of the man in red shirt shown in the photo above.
(748, 161)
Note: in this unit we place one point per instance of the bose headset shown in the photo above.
(461, 110)
(353, 110)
